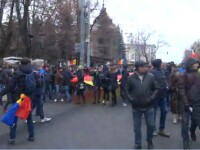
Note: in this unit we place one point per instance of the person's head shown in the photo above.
(192, 65)
(25, 61)
(157, 63)
(100, 68)
(141, 67)
(149, 67)
(80, 67)
(113, 69)
(46, 68)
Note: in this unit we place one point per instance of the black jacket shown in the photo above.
(26, 69)
(161, 80)
(113, 81)
(141, 94)
(67, 76)
(125, 75)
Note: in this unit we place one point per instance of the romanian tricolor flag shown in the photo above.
(194, 55)
(73, 62)
(120, 62)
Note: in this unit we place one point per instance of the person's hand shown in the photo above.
(188, 108)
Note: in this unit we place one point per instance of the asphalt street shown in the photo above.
(88, 127)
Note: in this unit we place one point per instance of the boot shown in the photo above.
(193, 135)
(186, 145)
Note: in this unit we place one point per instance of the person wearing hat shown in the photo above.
(141, 92)
(189, 90)
(161, 99)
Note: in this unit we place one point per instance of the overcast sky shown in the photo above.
(175, 21)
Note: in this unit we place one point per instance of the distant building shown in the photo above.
(134, 53)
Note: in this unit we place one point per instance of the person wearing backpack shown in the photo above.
(23, 82)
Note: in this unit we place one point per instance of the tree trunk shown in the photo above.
(7, 39)
(23, 26)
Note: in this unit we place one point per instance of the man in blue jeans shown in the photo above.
(67, 76)
(161, 98)
(141, 91)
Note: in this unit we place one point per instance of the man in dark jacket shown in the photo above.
(67, 76)
(161, 99)
(189, 90)
(47, 83)
(125, 75)
(141, 91)
(18, 79)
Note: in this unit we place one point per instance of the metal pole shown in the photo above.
(88, 46)
(82, 33)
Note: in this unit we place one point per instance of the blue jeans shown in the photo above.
(37, 103)
(48, 90)
(1, 88)
(137, 119)
(186, 116)
(162, 104)
(58, 94)
(30, 128)
(67, 93)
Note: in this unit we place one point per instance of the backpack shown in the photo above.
(26, 83)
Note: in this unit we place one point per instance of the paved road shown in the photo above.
(88, 126)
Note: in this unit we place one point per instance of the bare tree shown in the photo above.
(148, 50)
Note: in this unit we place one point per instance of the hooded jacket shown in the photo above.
(160, 77)
(189, 88)
(141, 93)
(22, 69)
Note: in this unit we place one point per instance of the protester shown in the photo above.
(37, 101)
(81, 85)
(98, 76)
(58, 84)
(160, 99)
(141, 92)
(67, 76)
(47, 83)
(174, 94)
(18, 84)
(113, 85)
(123, 81)
(105, 85)
(190, 95)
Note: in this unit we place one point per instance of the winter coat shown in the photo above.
(125, 75)
(67, 76)
(141, 94)
(59, 78)
(161, 81)
(113, 82)
(12, 86)
(174, 93)
(189, 89)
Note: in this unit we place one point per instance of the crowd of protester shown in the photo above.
(146, 87)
